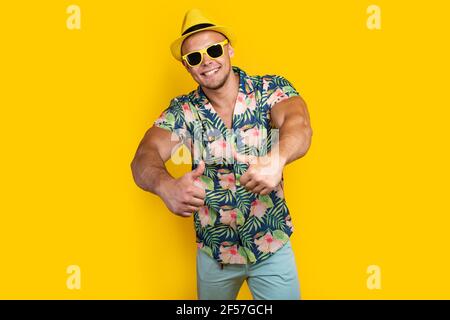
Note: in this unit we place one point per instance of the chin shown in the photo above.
(218, 83)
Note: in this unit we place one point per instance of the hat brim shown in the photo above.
(175, 47)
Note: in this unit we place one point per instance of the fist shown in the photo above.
(183, 196)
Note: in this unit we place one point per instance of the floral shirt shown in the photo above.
(235, 226)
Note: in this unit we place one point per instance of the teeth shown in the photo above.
(211, 72)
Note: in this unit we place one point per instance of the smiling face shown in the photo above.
(220, 67)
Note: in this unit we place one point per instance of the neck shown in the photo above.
(225, 95)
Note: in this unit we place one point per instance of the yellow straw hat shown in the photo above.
(194, 21)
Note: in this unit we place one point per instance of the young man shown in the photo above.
(235, 192)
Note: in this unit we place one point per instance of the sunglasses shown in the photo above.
(214, 51)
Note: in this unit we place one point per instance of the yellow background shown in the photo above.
(373, 189)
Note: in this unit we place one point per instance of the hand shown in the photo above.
(263, 174)
(182, 196)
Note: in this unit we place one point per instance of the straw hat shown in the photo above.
(194, 21)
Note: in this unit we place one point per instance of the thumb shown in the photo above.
(197, 172)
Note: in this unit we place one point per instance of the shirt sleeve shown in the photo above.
(278, 89)
(172, 118)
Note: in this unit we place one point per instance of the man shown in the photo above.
(235, 190)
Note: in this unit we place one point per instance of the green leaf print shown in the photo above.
(273, 222)
(246, 238)
(251, 257)
(243, 199)
(170, 119)
(238, 178)
(243, 253)
(248, 100)
(210, 172)
(226, 231)
(289, 91)
(208, 182)
(207, 250)
(247, 116)
(280, 235)
(212, 199)
(213, 216)
(240, 217)
(266, 200)
(210, 238)
(252, 224)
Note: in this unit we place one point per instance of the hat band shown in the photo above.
(198, 27)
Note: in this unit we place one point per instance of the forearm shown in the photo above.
(294, 139)
(150, 173)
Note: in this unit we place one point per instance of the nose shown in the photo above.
(206, 59)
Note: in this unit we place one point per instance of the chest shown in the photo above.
(225, 114)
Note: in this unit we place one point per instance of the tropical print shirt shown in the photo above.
(235, 226)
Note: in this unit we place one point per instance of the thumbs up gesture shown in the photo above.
(183, 196)
(263, 174)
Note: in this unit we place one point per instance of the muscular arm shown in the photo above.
(148, 166)
(291, 117)
(181, 196)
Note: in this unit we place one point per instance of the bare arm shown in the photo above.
(291, 117)
(148, 166)
(181, 196)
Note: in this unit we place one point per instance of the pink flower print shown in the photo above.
(228, 217)
(265, 84)
(219, 148)
(189, 116)
(276, 96)
(209, 106)
(227, 181)
(231, 255)
(257, 208)
(240, 106)
(251, 101)
(204, 182)
(200, 184)
(268, 243)
(252, 137)
(205, 217)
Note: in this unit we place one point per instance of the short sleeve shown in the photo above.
(278, 89)
(172, 118)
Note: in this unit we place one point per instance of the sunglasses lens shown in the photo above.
(215, 51)
(194, 58)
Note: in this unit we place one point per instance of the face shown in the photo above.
(222, 64)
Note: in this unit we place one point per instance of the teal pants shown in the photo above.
(272, 279)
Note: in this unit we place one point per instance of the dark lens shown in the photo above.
(194, 58)
(215, 51)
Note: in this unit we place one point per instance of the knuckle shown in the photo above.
(178, 210)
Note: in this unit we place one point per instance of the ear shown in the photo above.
(230, 51)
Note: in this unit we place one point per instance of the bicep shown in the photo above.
(158, 140)
(292, 108)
